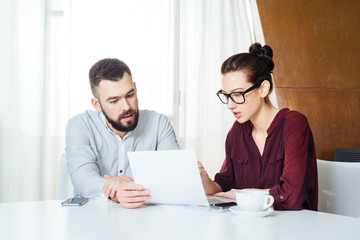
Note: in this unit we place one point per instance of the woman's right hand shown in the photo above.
(203, 172)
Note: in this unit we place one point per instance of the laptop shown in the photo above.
(172, 176)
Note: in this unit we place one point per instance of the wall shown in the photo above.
(317, 64)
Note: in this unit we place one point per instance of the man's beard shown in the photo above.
(129, 126)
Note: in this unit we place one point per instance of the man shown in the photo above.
(97, 142)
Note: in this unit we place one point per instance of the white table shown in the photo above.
(104, 220)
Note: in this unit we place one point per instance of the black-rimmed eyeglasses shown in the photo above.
(236, 97)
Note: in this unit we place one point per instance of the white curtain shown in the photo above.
(173, 47)
(210, 32)
(34, 100)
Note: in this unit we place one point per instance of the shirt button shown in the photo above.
(281, 197)
(120, 171)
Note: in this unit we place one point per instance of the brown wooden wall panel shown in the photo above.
(316, 42)
(332, 122)
(317, 65)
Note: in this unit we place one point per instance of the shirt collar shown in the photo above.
(250, 128)
(276, 120)
(273, 124)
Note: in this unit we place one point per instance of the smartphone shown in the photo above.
(221, 207)
(78, 201)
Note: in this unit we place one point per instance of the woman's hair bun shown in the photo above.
(261, 51)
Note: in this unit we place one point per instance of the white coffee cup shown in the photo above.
(253, 200)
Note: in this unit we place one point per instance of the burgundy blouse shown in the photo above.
(287, 166)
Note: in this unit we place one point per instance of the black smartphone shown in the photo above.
(78, 201)
(221, 207)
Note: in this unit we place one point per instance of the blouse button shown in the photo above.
(282, 197)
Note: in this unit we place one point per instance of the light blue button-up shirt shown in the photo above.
(93, 150)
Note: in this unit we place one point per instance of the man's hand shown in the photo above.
(131, 195)
(109, 188)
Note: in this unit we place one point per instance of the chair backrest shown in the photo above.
(65, 187)
(339, 187)
(347, 155)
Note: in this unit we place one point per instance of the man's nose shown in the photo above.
(125, 104)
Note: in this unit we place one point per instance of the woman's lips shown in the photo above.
(237, 115)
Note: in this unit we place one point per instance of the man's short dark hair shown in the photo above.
(107, 69)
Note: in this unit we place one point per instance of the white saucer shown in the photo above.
(251, 214)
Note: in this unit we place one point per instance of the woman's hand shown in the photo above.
(229, 194)
(203, 172)
(209, 186)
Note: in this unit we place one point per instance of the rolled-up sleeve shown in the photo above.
(289, 193)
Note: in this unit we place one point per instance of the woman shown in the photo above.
(266, 148)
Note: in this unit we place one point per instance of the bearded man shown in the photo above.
(97, 142)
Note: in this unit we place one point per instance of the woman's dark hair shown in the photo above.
(110, 69)
(257, 64)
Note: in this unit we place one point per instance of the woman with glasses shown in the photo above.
(266, 148)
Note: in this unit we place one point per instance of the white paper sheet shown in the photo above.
(172, 176)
